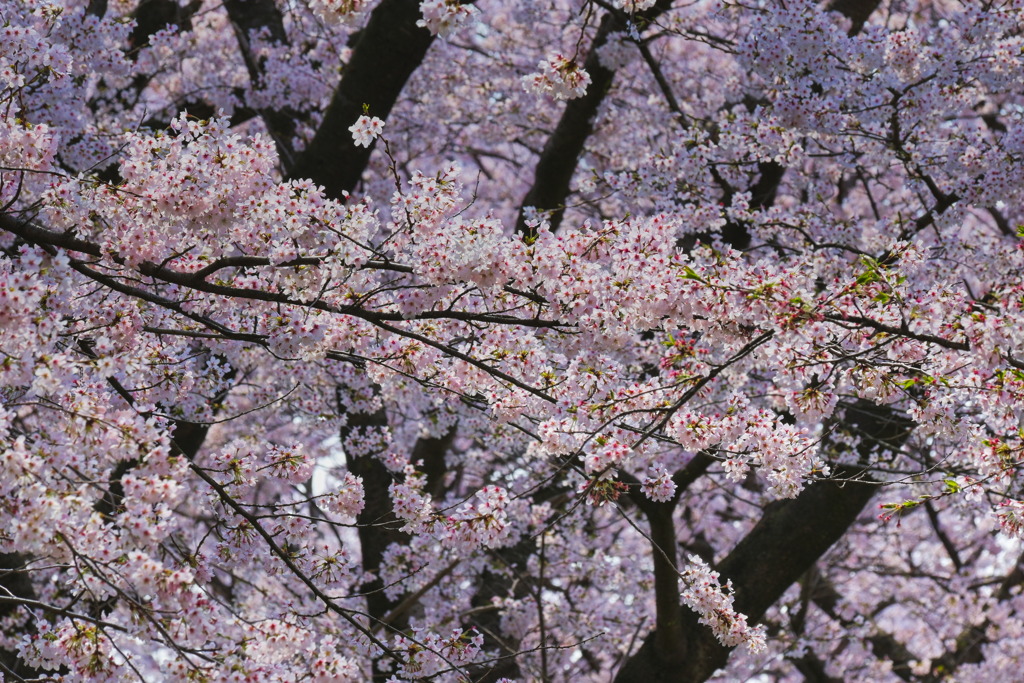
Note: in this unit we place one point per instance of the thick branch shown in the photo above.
(668, 629)
(389, 49)
(790, 538)
(562, 152)
(377, 525)
(857, 11)
(257, 15)
(14, 583)
(152, 16)
(884, 645)
(247, 17)
(970, 644)
(782, 546)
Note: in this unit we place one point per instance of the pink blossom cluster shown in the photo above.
(436, 653)
(446, 17)
(348, 499)
(366, 129)
(559, 77)
(1011, 517)
(634, 5)
(244, 412)
(658, 486)
(484, 523)
(704, 595)
(344, 12)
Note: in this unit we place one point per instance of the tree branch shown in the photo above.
(782, 546)
(561, 154)
(389, 49)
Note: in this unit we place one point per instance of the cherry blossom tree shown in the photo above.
(654, 340)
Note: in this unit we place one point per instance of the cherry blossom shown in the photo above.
(445, 17)
(714, 605)
(560, 77)
(650, 330)
(366, 130)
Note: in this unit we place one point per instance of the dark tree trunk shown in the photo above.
(388, 50)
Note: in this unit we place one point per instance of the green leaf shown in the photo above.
(690, 274)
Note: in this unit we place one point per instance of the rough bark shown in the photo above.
(857, 11)
(377, 525)
(788, 540)
(564, 147)
(562, 151)
(969, 647)
(387, 52)
(15, 582)
(248, 16)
